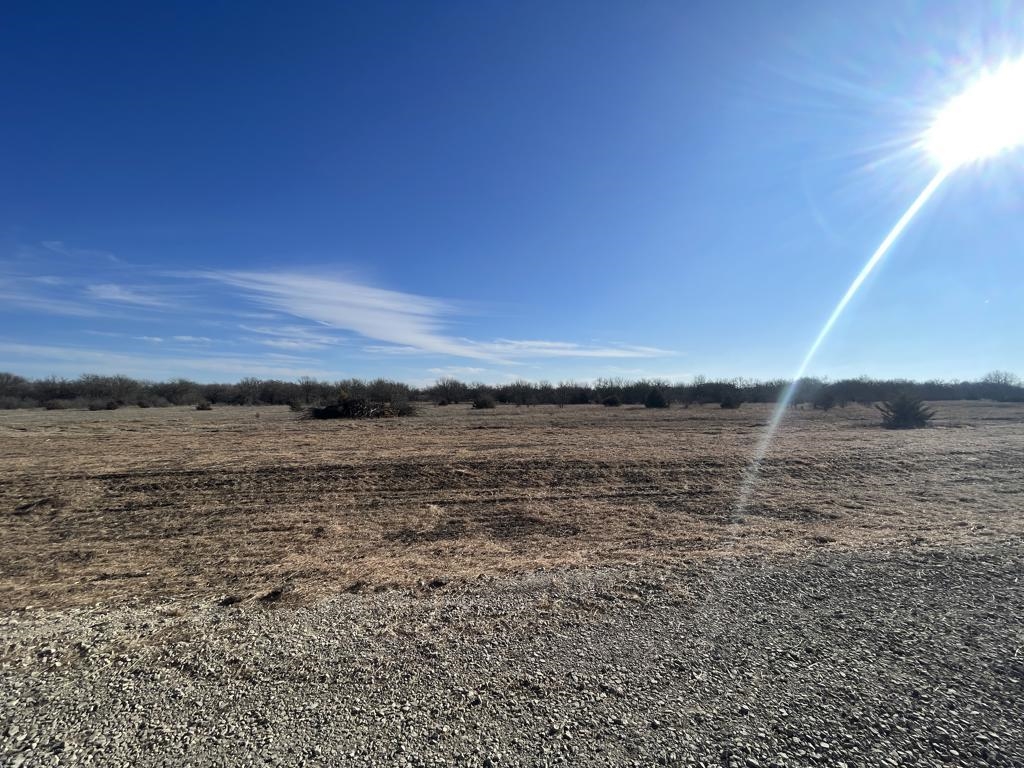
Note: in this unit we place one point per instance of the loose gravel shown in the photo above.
(888, 659)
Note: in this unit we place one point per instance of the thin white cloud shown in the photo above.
(61, 353)
(289, 343)
(61, 248)
(508, 351)
(45, 359)
(392, 349)
(48, 305)
(292, 336)
(287, 357)
(312, 313)
(536, 348)
(115, 335)
(383, 315)
(457, 370)
(118, 293)
(405, 323)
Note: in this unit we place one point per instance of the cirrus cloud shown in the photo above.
(406, 323)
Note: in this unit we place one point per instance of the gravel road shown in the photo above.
(899, 658)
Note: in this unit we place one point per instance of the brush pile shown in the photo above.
(359, 408)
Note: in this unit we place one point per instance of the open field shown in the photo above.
(524, 586)
(241, 501)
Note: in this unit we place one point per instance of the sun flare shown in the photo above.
(983, 121)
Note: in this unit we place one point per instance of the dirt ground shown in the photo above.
(241, 503)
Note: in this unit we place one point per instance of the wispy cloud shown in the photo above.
(193, 339)
(46, 359)
(121, 294)
(288, 312)
(376, 313)
(535, 348)
(289, 344)
(117, 335)
(47, 304)
(392, 349)
(61, 248)
(406, 323)
(457, 370)
(292, 336)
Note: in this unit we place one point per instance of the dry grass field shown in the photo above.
(516, 587)
(239, 503)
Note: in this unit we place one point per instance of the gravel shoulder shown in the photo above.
(908, 657)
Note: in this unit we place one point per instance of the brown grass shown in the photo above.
(241, 501)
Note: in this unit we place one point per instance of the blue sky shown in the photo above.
(539, 190)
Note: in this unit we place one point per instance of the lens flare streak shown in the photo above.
(750, 476)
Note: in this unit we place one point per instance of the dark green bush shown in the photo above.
(611, 402)
(152, 401)
(656, 399)
(905, 412)
(481, 402)
(731, 400)
(204, 406)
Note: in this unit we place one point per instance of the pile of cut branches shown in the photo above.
(358, 408)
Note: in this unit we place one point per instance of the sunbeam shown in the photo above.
(750, 477)
(983, 121)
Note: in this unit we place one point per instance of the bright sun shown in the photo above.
(984, 120)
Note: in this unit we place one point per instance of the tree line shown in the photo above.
(96, 391)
